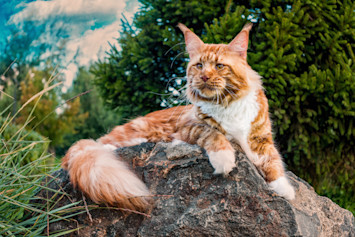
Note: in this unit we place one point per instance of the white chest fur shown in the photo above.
(236, 119)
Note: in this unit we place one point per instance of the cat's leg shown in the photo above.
(269, 161)
(219, 149)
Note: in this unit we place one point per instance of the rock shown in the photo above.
(191, 201)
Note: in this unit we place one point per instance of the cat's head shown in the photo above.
(219, 73)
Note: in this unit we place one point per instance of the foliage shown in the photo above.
(133, 79)
(24, 166)
(49, 118)
(9, 133)
(98, 119)
(26, 70)
(303, 50)
(22, 51)
(10, 80)
(308, 64)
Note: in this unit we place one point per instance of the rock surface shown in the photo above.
(191, 201)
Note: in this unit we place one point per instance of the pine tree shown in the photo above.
(98, 118)
(46, 115)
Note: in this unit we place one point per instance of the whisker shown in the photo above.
(184, 87)
(175, 110)
(231, 93)
(167, 84)
(227, 79)
(174, 47)
(171, 65)
(187, 103)
(232, 87)
(172, 97)
(155, 93)
(182, 112)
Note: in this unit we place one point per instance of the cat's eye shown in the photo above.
(199, 66)
(219, 66)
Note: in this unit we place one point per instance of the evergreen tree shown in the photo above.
(22, 51)
(133, 79)
(303, 50)
(45, 115)
(98, 119)
(305, 56)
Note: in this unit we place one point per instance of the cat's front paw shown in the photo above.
(222, 161)
(282, 187)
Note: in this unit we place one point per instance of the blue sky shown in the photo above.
(86, 26)
(6, 10)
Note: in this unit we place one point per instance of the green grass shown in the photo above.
(19, 184)
(25, 165)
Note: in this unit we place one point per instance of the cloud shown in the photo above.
(86, 26)
(43, 10)
(88, 48)
(94, 43)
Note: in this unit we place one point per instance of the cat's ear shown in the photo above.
(192, 41)
(240, 42)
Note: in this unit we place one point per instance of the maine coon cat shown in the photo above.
(228, 105)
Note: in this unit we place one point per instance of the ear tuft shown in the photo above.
(183, 28)
(248, 26)
(192, 41)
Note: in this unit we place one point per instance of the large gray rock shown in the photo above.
(191, 201)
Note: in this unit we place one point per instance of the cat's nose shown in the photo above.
(204, 78)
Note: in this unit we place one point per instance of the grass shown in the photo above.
(20, 215)
(25, 166)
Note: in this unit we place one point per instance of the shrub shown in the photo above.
(13, 138)
(25, 165)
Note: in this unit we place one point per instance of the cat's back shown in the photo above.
(171, 115)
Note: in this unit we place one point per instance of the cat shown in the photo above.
(228, 105)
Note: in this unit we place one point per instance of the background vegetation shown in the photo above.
(303, 50)
(25, 166)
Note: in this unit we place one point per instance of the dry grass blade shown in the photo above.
(21, 149)
(22, 169)
(86, 208)
(7, 94)
(31, 99)
(8, 68)
(39, 94)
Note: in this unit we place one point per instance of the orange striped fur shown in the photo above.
(228, 106)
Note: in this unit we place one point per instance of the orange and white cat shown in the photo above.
(228, 105)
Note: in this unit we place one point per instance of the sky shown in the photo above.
(86, 26)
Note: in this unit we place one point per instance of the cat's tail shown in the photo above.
(98, 172)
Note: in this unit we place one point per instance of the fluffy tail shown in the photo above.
(96, 171)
